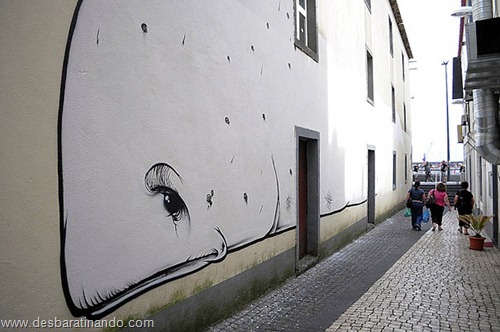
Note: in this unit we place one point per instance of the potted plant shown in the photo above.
(477, 224)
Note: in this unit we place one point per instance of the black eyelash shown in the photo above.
(158, 176)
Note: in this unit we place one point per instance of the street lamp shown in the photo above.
(445, 64)
(462, 11)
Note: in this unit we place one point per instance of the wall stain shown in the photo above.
(329, 200)
(209, 199)
(289, 203)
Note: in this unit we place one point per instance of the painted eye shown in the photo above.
(174, 205)
(160, 179)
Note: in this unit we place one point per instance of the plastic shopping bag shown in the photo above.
(407, 212)
(425, 215)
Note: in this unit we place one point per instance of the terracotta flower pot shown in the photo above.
(476, 243)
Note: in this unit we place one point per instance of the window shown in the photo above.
(406, 168)
(403, 65)
(393, 101)
(404, 117)
(391, 41)
(305, 27)
(369, 77)
(394, 160)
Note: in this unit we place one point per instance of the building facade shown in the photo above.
(478, 87)
(186, 156)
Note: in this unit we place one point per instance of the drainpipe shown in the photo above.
(487, 131)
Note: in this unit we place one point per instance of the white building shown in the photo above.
(155, 150)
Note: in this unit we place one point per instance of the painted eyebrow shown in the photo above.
(159, 176)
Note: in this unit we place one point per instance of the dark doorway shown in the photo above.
(307, 196)
(302, 199)
(371, 186)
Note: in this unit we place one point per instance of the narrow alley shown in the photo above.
(400, 280)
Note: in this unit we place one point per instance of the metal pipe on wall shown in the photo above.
(487, 129)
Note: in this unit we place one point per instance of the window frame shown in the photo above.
(370, 84)
(310, 44)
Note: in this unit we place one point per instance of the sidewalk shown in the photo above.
(391, 279)
(438, 285)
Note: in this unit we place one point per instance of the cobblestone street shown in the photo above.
(391, 279)
(438, 285)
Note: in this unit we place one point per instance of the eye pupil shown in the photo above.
(174, 205)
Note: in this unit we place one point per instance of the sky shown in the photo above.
(433, 35)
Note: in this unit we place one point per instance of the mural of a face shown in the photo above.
(162, 169)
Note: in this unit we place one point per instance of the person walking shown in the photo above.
(464, 203)
(417, 197)
(415, 172)
(462, 172)
(444, 170)
(437, 209)
(427, 169)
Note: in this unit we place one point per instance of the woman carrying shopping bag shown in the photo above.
(441, 199)
(417, 198)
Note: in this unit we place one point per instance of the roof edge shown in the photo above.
(401, 27)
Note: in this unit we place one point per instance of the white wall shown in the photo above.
(211, 95)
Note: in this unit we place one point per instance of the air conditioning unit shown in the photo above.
(487, 37)
(483, 54)
(482, 38)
